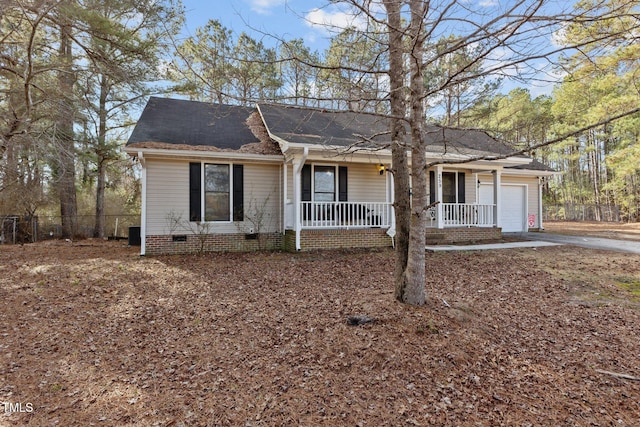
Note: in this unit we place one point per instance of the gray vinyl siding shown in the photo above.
(470, 187)
(262, 199)
(168, 195)
(364, 182)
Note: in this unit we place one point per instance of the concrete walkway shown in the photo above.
(536, 240)
(508, 245)
(583, 241)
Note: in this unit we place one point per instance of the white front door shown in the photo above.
(514, 205)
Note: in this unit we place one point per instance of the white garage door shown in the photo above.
(513, 210)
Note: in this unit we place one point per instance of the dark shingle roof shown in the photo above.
(344, 129)
(323, 127)
(177, 121)
(534, 165)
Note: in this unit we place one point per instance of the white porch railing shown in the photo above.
(345, 214)
(462, 215)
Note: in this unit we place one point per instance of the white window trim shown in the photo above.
(313, 181)
(457, 175)
(203, 200)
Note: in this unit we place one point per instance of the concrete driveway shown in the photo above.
(583, 241)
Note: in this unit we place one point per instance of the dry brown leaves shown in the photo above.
(92, 334)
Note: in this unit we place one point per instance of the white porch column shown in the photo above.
(297, 191)
(143, 208)
(540, 185)
(439, 209)
(497, 197)
(391, 197)
(297, 194)
(285, 191)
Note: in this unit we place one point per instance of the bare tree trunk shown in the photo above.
(65, 166)
(101, 160)
(414, 277)
(400, 164)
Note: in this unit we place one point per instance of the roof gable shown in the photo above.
(323, 127)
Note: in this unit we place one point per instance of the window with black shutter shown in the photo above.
(306, 183)
(222, 198)
(342, 184)
(238, 193)
(461, 197)
(432, 187)
(195, 195)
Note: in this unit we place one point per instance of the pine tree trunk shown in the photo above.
(66, 174)
(102, 153)
(100, 187)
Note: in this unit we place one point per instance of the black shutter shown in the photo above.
(195, 197)
(238, 193)
(342, 184)
(306, 183)
(461, 187)
(432, 187)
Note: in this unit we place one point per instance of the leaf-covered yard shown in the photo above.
(92, 334)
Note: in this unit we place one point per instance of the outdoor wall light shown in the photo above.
(381, 169)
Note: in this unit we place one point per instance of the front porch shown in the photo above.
(461, 215)
(346, 215)
(333, 225)
(350, 215)
(323, 199)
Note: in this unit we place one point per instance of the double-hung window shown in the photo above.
(324, 183)
(217, 198)
(216, 192)
(319, 183)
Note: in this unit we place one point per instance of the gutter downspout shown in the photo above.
(297, 194)
(143, 204)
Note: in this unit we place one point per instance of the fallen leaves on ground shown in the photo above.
(93, 334)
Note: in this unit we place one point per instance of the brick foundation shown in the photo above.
(310, 240)
(462, 235)
(165, 244)
(338, 239)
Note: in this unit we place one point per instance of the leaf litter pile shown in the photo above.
(93, 334)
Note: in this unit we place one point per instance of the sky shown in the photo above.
(284, 18)
(290, 19)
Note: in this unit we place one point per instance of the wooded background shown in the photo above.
(74, 75)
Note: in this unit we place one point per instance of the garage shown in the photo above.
(513, 210)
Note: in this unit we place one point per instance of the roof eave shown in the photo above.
(191, 154)
(533, 172)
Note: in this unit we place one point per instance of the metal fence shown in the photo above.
(24, 229)
(576, 212)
